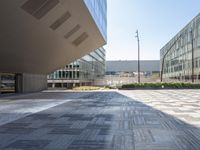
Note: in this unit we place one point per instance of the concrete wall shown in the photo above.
(33, 82)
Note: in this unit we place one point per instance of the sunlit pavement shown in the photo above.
(118, 120)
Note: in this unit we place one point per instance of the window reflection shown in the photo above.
(178, 62)
(87, 68)
(7, 83)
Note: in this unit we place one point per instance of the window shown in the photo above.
(77, 74)
(70, 74)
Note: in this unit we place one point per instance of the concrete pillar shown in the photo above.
(0, 83)
(18, 83)
(25, 83)
(62, 85)
(53, 85)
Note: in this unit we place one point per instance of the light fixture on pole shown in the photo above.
(138, 40)
(192, 44)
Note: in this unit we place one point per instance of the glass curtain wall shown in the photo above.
(98, 10)
(178, 61)
(84, 70)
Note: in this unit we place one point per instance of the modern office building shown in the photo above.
(80, 72)
(40, 36)
(180, 57)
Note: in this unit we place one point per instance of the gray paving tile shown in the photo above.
(123, 120)
(29, 144)
(69, 131)
(87, 145)
(17, 130)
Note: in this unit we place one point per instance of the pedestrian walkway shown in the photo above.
(112, 120)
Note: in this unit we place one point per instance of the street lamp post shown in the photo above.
(163, 60)
(138, 40)
(192, 43)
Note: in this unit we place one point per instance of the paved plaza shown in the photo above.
(101, 120)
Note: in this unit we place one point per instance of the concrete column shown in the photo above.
(53, 85)
(25, 83)
(62, 85)
(18, 83)
(0, 83)
(34, 82)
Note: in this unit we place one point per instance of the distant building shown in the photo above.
(178, 52)
(130, 66)
(125, 72)
(80, 72)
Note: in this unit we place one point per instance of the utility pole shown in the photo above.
(138, 40)
(192, 43)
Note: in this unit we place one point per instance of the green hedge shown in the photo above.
(161, 86)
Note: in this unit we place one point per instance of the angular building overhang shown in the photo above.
(40, 36)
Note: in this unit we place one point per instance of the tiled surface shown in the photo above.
(181, 104)
(123, 120)
(18, 106)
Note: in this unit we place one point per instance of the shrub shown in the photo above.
(161, 86)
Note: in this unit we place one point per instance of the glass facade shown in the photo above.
(80, 72)
(90, 67)
(178, 60)
(7, 83)
(98, 10)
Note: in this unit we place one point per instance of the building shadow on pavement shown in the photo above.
(99, 121)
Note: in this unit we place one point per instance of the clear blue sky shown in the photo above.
(157, 21)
